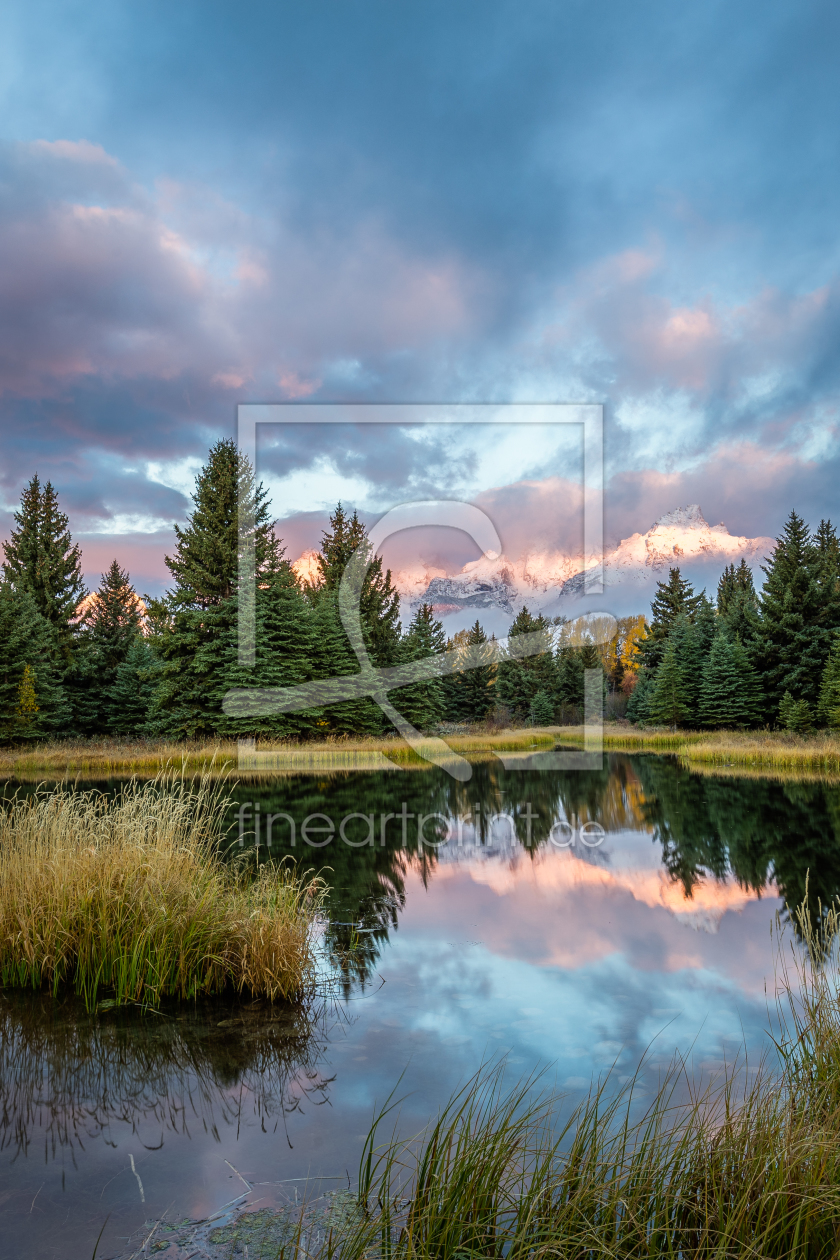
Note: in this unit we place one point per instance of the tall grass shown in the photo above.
(129, 895)
(747, 1167)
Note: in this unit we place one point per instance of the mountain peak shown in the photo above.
(687, 517)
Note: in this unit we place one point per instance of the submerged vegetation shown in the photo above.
(129, 895)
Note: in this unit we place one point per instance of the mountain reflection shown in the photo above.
(71, 1076)
(757, 832)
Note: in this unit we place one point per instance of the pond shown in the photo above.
(579, 921)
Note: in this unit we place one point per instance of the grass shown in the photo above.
(748, 1166)
(104, 758)
(775, 750)
(129, 895)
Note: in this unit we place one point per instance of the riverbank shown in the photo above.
(128, 896)
(772, 750)
(104, 758)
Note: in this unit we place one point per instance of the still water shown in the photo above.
(504, 934)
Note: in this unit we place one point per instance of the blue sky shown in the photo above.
(210, 203)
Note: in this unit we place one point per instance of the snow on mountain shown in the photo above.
(681, 538)
(553, 581)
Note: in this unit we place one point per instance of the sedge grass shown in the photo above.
(104, 758)
(129, 895)
(747, 1165)
(776, 750)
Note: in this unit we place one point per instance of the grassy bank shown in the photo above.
(774, 750)
(748, 1166)
(110, 758)
(128, 896)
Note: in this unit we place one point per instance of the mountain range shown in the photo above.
(552, 582)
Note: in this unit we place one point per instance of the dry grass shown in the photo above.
(105, 758)
(775, 750)
(129, 895)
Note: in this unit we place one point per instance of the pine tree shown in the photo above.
(41, 557)
(734, 584)
(668, 703)
(672, 599)
(379, 603)
(519, 678)
(829, 703)
(570, 677)
(638, 705)
(422, 704)
(725, 698)
(332, 657)
(130, 697)
(194, 625)
(473, 691)
(794, 636)
(28, 657)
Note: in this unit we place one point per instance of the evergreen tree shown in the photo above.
(130, 697)
(422, 704)
(473, 691)
(638, 705)
(286, 652)
(794, 715)
(195, 623)
(829, 702)
(109, 627)
(794, 635)
(519, 677)
(726, 697)
(379, 603)
(673, 599)
(333, 657)
(668, 703)
(41, 557)
(28, 670)
(734, 585)
(541, 712)
(570, 677)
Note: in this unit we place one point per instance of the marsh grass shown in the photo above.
(129, 895)
(747, 1166)
(105, 758)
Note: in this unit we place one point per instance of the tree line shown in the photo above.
(76, 664)
(749, 659)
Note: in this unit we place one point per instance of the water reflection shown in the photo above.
(70, 1077)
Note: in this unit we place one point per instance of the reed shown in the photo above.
(129, 895)
(748, 1166)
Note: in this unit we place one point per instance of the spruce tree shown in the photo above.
(541, 711)
(794, 715)
(668, 703)
(110, 625)
(41, 557)
(829, 702)
(638, 705)
(519, 678)
(333, 657)
(794, 636)
(28, 669)
(130, 697)
(725, 699)
(570, 677)
(379, 604)
(422, 704)
(734, 584)
(195, 623)
(672, 599)
(473, 692)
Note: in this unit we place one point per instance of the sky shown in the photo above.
(206, 204)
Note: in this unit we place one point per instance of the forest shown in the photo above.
(80, 664)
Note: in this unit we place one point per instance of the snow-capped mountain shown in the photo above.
(553, 581)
